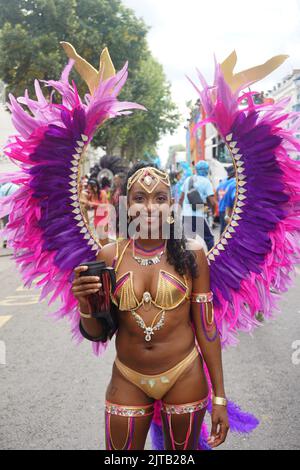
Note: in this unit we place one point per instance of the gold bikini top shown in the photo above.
(171, 291)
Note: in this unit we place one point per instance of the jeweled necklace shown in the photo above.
(148, 261)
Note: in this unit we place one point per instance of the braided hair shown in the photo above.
(178, 256)
(95, 183)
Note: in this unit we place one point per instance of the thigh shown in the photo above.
(119, 428)
(190, 387)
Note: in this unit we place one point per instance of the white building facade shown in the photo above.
(289, 87)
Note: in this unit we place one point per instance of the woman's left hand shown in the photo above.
(220, 425)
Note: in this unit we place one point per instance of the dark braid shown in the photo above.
(178, 256)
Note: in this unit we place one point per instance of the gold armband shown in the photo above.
(198, 297)
(203, 299)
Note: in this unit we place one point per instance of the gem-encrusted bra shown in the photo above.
(170, 293)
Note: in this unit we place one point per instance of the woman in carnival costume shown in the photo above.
(176, 306)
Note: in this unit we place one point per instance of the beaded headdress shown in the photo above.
(148, 177)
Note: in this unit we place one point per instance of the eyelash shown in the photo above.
(160, 198)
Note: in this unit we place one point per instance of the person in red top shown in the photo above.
(115, 198)
(97, 199)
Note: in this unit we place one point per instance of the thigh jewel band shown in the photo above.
(124, 410)
(185, 408)
(129, 412)
(190, 408)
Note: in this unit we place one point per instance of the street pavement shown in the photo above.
(52, 391)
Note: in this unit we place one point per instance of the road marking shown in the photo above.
(4, 319)
(15, 300)
(26, 289)
(30, 296)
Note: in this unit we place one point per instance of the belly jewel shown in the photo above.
(149, 330)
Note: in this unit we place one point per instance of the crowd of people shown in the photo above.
(95, 198)
(214, 205)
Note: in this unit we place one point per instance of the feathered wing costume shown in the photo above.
(46, 228)
(250, 265)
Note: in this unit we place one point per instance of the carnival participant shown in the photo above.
(160, 283)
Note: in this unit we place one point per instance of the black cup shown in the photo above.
(100, 305)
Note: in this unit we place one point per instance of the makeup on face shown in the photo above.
(149, 207)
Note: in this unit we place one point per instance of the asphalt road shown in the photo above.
(52, 391)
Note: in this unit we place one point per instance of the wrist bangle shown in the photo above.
(219, 401)
(85, 315)
(102, 338)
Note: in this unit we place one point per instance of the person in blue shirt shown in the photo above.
(184, 172)
(221, 190)
(193, 220)
(229, 200)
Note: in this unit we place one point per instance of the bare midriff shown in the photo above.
(167, 347)
(170, 344)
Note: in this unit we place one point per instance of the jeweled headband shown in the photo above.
(148, 177)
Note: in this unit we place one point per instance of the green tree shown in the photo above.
(30, 31)
(138, 133)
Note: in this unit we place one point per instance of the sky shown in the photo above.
(185, 34)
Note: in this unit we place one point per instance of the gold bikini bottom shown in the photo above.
(156, 386)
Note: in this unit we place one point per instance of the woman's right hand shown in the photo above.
(82, 286)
